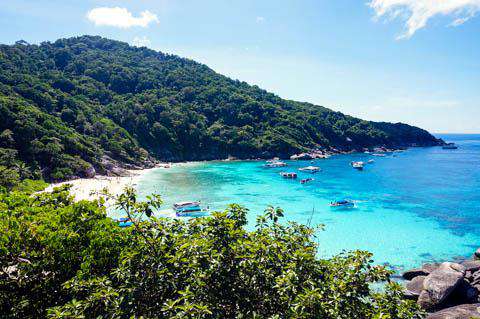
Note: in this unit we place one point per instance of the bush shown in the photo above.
(61, 259)
(30, 186)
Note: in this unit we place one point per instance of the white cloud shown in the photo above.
(260, 19)
(416, 13)
(141, 41)
(120, 17)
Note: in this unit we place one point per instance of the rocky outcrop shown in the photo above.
(89, 172)
(425, 270)
(430, 267)
(439, 284)
(413, 273)
(414, 287)
(447, 290)
(458, 312)
(471, 265)
(113, 167)
(476, 255)
(464, 293)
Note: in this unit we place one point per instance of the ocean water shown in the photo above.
(421, 205)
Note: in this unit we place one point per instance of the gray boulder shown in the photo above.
(424, 271)
(457, 312)
(430, 267)
(414, 287)
(476, 255)
(475, 278)
(471, 265)
(463, 293)
(413, 273)
(439, 284)
(89, 172)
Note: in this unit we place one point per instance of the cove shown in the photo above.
(420, 205)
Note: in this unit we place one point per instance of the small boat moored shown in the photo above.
(124, 222)
(371, 161)
(188, 209)
(310, 169)
(274, 164)
(379, 155)
(450, 146)
(290, 175)
(342, 203)
(306, 180)
(357, 165)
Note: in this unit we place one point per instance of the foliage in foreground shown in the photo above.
(60, 259)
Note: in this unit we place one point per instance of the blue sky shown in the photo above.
(414, 61)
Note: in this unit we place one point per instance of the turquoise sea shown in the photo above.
(418, 206)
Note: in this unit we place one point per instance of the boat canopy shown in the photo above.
(182, 204)
(310, 168)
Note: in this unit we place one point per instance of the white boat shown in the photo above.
(310, 169)
(274, 164)
(288, 175)
(186, 204)
(273, 160)
(370, 161)
(358, 165)
(342, 204)
(379, 155)
(189, 209)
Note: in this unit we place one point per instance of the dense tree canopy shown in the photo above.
(60, 259)
(67, 104)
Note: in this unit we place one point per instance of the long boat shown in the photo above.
(189, 209)
(342, 204)
(450, 146)
(288, 175)
(274, 164)
(310, 169)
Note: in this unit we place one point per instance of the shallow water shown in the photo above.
(421, 205)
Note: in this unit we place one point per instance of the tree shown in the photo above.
(69, 260)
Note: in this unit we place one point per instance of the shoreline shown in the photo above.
(82, 188)
(85, 188)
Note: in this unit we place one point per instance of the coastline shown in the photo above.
(88, 188)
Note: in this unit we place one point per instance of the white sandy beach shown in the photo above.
(88, 188)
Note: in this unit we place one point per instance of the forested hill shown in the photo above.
(68, 106)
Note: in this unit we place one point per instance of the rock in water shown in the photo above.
(458, 312)
(476, 255)
(439, 284)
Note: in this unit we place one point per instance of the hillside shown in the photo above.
(78, 104)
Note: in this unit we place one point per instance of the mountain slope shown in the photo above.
(66, 105)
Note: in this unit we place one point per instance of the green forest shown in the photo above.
(71, 107)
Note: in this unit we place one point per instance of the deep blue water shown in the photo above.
(421, 205)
